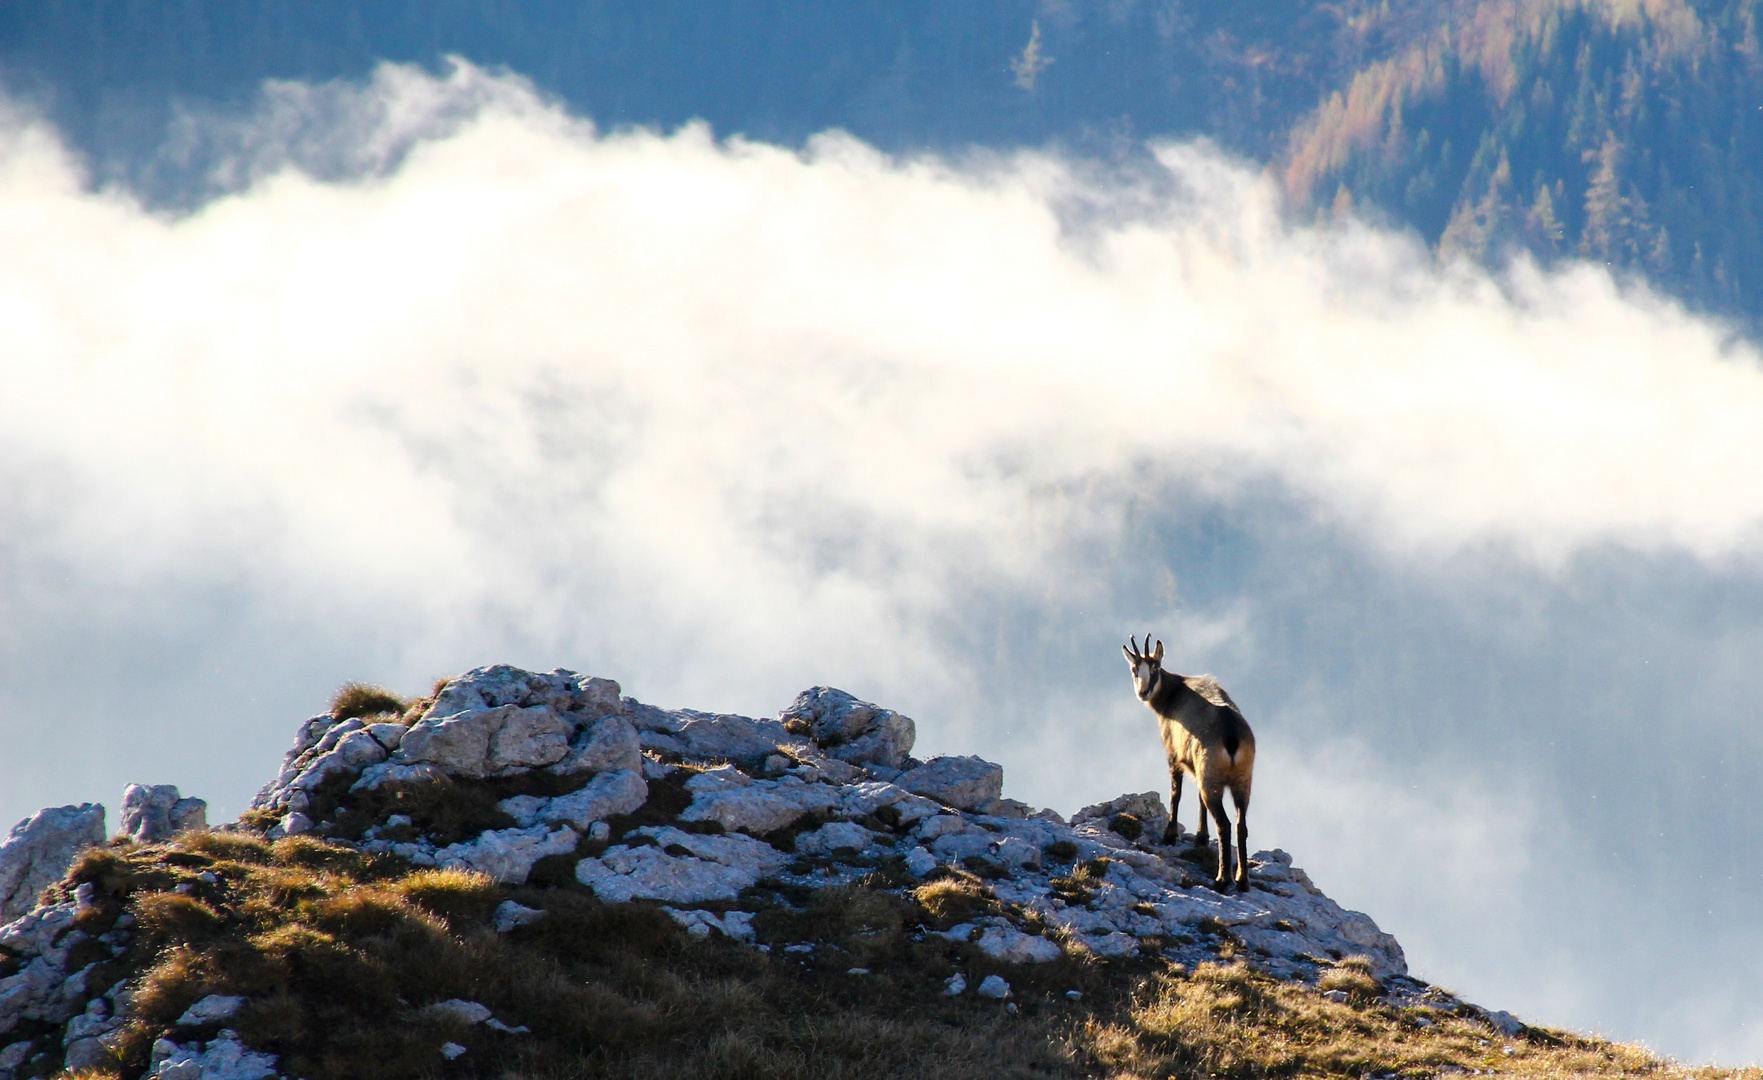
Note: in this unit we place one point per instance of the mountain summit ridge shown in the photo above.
(513, 810)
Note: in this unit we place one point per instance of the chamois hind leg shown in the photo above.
(1213, 803)
(1204, 836)
(1172, 834)
(1239, 794)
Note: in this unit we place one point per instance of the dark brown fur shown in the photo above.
(1206, 737)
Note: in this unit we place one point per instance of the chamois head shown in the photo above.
(1145, 668)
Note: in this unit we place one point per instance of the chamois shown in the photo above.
(1205, 736)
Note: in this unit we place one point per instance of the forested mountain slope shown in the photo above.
(1623, 131)
(1627, 133)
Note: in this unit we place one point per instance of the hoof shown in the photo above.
(1221, 887)
(1172, 835)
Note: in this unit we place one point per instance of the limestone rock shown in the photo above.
(508, 855)
(994, 986)
(293, 823)
(851, 730)
(157, 812)
(964, 782)
(390, 772)
(225, 1058)
(737, 925)
(212, 1010)
(1111, 944)
(487, 742)
(706, 735)
(88, 1053)
(858, 800)
(324, 746)
(757, 810)
(1146, 807)
(758, 806)
(833, 836)
(456, 1010)
(40, 849)
(941, 824)
(720, 778)
(503, 684)
(510, 916)
(1012, 946)
(609, 743)
(710, 867)
(920, 862)
(606, 795)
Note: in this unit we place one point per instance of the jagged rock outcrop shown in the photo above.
(851, 730)
(1135, 817)
(715, 818)
(967, 783)
(39, 850)
(158, 812)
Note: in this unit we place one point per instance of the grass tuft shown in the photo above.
(463, 898)
(358, 700)
(953, 899)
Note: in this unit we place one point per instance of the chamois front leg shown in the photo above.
(1172, 835)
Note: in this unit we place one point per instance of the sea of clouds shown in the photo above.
(436, 374)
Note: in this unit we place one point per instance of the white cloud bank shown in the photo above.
(723, 420)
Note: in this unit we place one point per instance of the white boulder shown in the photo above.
(457, 1011)
(696, 734)
(487, 742)
(920, 862)
(225, 1058)
(157, 812)
(833, 836)
(708, 867)
(758, 806)
(606, 795)
(608, 744)
(1146, 807)
(964, 782)
(719, 778)
(736, 925)
(854, 731)
(503, 684)
(1110, 944)
(508, 855)
(760, 810)
(510, 916)
(40, 849)
(860, 799)
(993, 986)
(212, 1010)
(1012, 946)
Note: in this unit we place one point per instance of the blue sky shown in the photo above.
(451, 376)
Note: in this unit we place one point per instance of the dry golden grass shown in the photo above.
(1229, 1021)
(957, 898)
(338, 952)
(358, 700)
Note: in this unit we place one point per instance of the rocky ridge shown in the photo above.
(557, 780)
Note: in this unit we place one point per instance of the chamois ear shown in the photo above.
(1157, 657)
(1130, 658)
